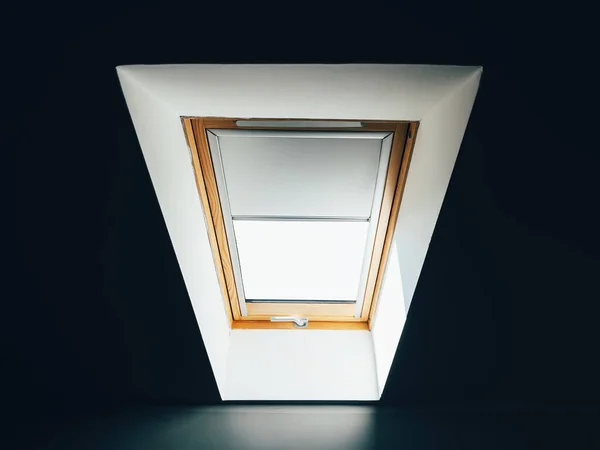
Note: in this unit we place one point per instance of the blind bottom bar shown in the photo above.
(321, 302)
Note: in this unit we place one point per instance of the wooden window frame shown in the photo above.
(321, 316)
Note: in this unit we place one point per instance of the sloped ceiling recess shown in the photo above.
(300, 364)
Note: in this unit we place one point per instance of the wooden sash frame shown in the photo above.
(321, 316)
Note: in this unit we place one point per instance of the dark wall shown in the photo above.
(95, 312)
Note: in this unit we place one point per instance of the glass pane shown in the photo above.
(303, 260)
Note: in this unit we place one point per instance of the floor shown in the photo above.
(320, 427)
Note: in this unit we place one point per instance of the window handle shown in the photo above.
(299, 322)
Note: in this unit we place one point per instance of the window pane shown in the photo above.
(303, 260)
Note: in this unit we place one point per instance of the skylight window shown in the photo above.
(300, 219)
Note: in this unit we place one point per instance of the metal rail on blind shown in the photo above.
(302, 218)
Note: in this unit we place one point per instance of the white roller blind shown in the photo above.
(281, 174)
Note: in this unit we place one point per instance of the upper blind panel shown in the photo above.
(295, 174)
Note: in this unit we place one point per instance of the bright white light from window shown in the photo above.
(303, 260)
